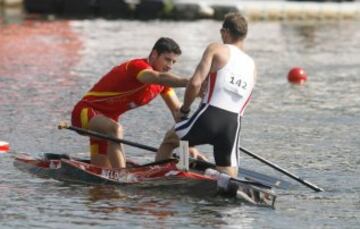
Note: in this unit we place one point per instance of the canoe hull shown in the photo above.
(156, 175)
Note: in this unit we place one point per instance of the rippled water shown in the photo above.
(311, 130)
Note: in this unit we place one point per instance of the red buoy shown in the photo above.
(297, 76)
(4, 147)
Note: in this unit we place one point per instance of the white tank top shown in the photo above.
(230, 87)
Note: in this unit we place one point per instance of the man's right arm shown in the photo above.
(168, 79)
(201, 72)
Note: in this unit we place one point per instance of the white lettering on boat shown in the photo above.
(119, 176)
(54, 164)
(172, 173)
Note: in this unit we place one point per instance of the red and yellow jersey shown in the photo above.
(120, 90)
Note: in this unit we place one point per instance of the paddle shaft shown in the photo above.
(118, 140)
(107, 137)
(278, 168)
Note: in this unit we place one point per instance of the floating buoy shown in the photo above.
(4, 147)
(297, 76)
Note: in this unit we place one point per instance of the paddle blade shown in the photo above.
(264, 179)
(63, 125)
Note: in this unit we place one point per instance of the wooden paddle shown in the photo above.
(255, 177)
(278, 168)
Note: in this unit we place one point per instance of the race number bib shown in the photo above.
(235, 84)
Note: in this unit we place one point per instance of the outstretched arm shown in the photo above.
(168, 79)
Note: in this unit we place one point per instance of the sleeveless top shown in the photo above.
(230, 87)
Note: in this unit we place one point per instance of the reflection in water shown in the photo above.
(110, 199)
(304, 33)
(36, 59)
(37, 47)
(33, 56)
(308, 33)
(99, 193)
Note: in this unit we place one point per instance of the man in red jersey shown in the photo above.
(129, 85)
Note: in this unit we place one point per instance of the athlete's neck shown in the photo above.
(238, 44)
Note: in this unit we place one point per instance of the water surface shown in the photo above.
(311, 130)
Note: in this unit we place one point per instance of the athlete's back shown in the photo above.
(230, 87)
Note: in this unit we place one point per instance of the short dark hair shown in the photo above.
(166, 44)
(236, 24)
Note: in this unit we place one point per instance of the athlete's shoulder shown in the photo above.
(135, 66)
(215, 46)
(140, 63)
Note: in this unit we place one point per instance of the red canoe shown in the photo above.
(159, 174)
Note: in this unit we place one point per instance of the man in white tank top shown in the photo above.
(227, 74)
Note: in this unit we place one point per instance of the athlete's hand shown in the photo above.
(179, 116)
